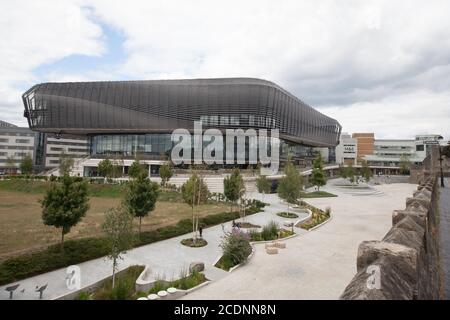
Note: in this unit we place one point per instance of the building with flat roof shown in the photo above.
(15, 143)
(347, 150)
(127, 118)
(365, 143)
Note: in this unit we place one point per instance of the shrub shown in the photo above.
(270, 231)
(236, 247)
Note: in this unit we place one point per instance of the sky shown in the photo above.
(375, 66)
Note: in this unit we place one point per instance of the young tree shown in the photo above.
(234, 187)
(195, 192)
(65, 204)
(118, 229)
(105, 168)
(405, 164)
(136, 169)
(26, 164)
(318, 177)
(350, 173)
(65, 164)
(140, 197)
(365, 171)
(165, 172)
(11, 163)
(263, 185)
(290, 185)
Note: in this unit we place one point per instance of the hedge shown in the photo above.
(80, 250)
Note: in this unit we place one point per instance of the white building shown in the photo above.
(49, 149)
(15, 144)
(389, 152)
(346, 150)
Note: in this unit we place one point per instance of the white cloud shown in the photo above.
(377, 57)
(35, 33)
(399, 116)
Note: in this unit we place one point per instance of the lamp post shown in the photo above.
(440, 162)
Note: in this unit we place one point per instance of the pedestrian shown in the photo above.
(200, 231)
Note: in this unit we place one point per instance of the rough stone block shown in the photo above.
(405, 237)
(272, 250)
(196, 267)
(392, 283)
(400, 255)
(419, 216)
(419, 200)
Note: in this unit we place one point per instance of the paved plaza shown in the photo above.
(316, 264)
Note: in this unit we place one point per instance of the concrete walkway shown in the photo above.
(320, 263)
(167, 259)
(444, 237)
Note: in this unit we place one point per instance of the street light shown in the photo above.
(440, 161)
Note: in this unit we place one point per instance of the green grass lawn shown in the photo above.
(95, 189)
(317, 194)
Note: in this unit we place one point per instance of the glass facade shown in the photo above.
(130, 145)
(159, 146)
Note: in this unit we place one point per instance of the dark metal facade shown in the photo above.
(160, 106)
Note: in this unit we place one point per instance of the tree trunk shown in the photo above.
(114, 273)
(62, 238)
(288, 207)
(140, 223)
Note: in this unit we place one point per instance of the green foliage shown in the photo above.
(65, 204)
(263, 184)
(233, 186)
(26, 164)
(289, 215)
(118, 230)
(235, 248)
(136, 169)
(348, 172)
(140, 197)
(290, 184)
(165, 172)
(405, 164)
(80, 250)
(105, 168)
(124, 288)
(270, 231)
(316, 194)
(318, 177)
(195, 191)
(65, 164)
(365, 171)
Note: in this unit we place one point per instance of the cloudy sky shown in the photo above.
(376, 66)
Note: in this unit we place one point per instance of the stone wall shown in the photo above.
(404, 264)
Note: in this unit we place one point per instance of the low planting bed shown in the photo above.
(288, 215)
(80, 250)
(124, 288)
(318, 216)
(247, 225)
(236, 249)
(199, 242)
(271, 231)
(317, 194)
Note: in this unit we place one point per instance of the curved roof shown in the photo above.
(165, 105)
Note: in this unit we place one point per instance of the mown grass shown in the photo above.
(80, 250)
(95, 189)
(317, 194)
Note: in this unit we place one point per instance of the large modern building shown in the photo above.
(125, 118)
(15, 143)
